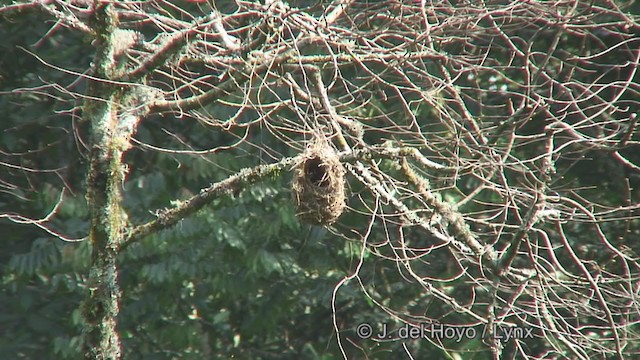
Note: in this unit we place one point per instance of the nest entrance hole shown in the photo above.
(316, 172)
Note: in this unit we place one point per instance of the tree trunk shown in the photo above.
(107, 220)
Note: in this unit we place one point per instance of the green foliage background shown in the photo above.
(243, 278)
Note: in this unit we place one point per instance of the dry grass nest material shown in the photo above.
(318, 186)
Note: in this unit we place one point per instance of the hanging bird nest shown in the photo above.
(318, 185)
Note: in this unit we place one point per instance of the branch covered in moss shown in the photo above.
(100, 307)
(246, 177)
(230, 185)
(461, 230)
(171, 47)
(234, 79)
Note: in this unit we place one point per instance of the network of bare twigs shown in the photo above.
(501, 102)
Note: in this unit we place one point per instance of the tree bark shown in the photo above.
(104, 179)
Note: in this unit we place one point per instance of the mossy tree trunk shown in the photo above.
(104, 198)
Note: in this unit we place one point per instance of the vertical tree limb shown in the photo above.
(101, 304)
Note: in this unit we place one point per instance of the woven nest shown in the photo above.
(318, 186)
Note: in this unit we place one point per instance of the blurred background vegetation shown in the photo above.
(241, 279)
